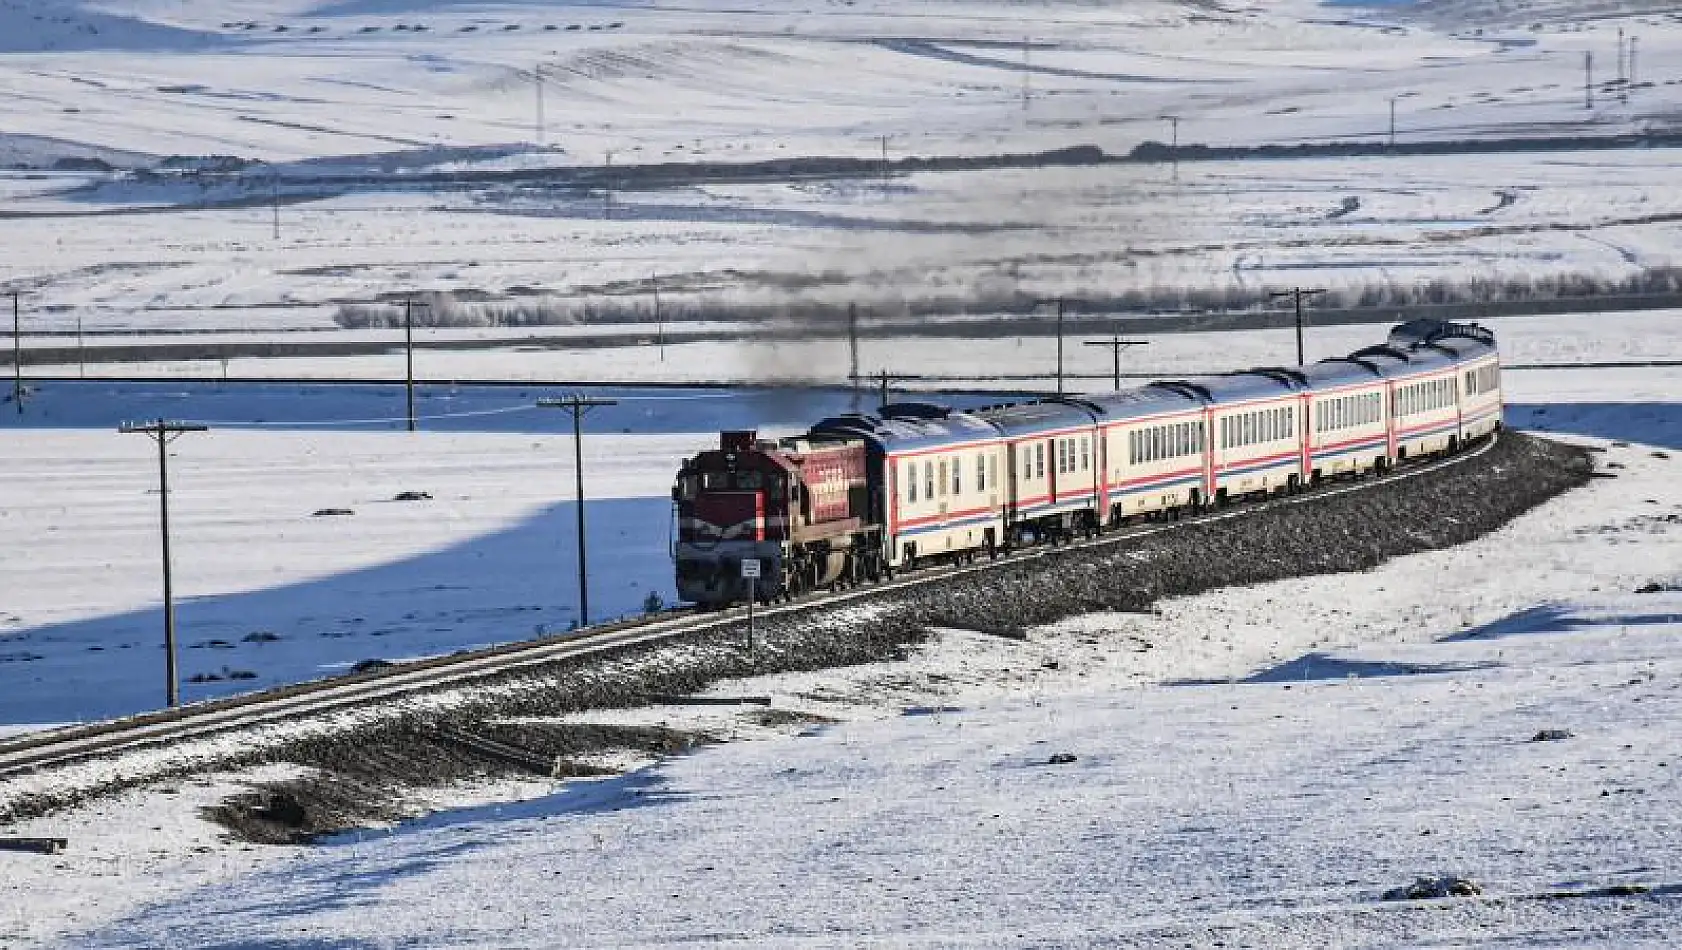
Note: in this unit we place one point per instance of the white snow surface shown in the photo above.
(1253, 766)
(265, 585)
(348, 102)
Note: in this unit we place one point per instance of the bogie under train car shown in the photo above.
(862, 495)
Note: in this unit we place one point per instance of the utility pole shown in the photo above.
(1620, 54)
(607, 186)
(1027, 74)
(164, 432)
(1298, 293)
(537, 75)
(17, 353)
(1116, 345)
(1173, 142)
(1588, 79)
(853, 348)
(885, 378)
(81, 351)
(659, 318)
(1631, 80)
(274, 199)
(409, 356)
(1061, 303)
(884, 166)
(579, 405)
(1392, 121)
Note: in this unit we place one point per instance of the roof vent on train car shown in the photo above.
(1426, 331)
(1382, 349)
(737, 440)
(1290, 377)
(1184, 387)
(1354, 360)
(915, 410)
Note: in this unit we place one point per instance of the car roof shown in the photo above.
(1152, 400)
(908, 426)
(1027, 418)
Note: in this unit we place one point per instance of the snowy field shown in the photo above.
(991, 360)
(1251, 767)
(382, 129)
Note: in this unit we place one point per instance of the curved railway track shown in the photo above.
(47, 749)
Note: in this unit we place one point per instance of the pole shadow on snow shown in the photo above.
(1560, 619)
(510, 585)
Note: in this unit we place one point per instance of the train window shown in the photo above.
(1290, 420)
(993, 468)
(909, 477)
(942, 480)
(1027, 463)
(928, 480)
(1086, 453)
(1248, 437)
(1133, 447)
(957, 476)
(981, 473)
(1197, 437)
(1039, 460)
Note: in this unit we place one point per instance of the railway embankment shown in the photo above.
(367, 768)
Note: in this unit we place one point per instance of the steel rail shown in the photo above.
(34, 751)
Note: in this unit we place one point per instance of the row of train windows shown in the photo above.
(1346, 411)
(937, 476)
(1251, 428)
(1074, 455)
(1423, 397)
(1164, 442)
(1483, 379)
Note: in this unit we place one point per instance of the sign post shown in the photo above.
(750, 572)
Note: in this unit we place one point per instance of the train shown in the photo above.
(861, 496)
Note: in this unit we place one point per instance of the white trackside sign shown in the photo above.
(750, 568)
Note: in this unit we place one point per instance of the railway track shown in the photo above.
(48, 749)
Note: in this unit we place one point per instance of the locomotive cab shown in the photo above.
(795, 505)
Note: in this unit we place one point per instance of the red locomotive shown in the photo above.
(799, 506)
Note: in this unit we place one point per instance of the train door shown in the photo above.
(1305, 438)
(1211, 443)
(1391, 423)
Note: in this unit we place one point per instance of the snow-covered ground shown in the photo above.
(351, 103)
(266, 586)
(1252, 766)
(991, 360)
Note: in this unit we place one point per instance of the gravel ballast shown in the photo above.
(358, 772)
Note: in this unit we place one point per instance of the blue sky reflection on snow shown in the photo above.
(505, 586)
(467, 408)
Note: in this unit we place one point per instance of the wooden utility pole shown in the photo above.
(578, 406)
(1061, 303)
(164, 432)
(1298, 293)
(659, 319)
(17, 353)
(1173, 142)
(1116, 345)
(409, 356)
(853, 348)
